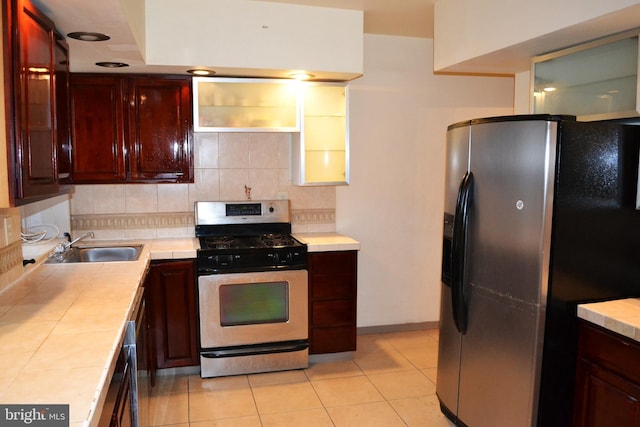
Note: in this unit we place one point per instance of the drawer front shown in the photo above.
(332, 286)
(332, 313)
(334, 262)
(332, 340)
(610, 350)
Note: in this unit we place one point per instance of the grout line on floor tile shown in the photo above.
(398, 363)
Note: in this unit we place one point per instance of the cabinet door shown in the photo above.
(245, 105)
(594, 81)
(34, 77)
(172, 301)
(606, 398)
(97, 128)
(160, 129)
(607, 379)
(63, 122)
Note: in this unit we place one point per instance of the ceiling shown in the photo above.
(412, 18)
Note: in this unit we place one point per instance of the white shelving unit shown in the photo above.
(320, 151)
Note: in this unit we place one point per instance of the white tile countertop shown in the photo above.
(621, 316)
(326, 242)
(61, 326)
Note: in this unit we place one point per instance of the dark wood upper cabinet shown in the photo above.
(160, 129)
(131, 128)
(35, 95)
(31, 78)
(63, 121)
(97, 129)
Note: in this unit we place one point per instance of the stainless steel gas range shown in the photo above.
(252, 289)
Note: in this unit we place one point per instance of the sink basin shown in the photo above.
(98, 254)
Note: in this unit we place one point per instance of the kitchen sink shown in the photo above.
(97, 254)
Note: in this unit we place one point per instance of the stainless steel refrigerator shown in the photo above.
(540, 215)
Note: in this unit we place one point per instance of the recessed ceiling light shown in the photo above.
(108, 64)
(88, 37)
(201, 72)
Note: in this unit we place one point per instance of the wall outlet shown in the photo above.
(282, 195)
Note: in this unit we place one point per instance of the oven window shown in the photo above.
(254, 303)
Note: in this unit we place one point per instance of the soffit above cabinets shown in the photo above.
(125, 22)
(501, 36)
(106, 17)
(256, 35)
(233, 37)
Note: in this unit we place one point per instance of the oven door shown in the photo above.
(253, 322)
(253, 308)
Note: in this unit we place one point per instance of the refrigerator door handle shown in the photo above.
(458, 252)
(638, 186)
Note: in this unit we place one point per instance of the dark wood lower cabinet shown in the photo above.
(608, 379)
(171, 299)
(332, 301)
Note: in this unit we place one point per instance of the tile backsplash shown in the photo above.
(224, 164)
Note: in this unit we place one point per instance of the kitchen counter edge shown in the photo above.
(155, 249)
(327, 242)
(621, 316)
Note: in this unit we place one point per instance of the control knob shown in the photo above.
(275, 258)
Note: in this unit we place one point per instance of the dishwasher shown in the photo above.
(127, 400)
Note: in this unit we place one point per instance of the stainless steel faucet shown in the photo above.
(65, 246)
(77, 239)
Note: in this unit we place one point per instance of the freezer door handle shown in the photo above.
(458, 252)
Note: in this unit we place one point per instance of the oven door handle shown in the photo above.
(250, 350)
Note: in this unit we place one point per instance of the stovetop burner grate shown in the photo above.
(267, 240)
(219, 242)
(252, 236)
(278, 240)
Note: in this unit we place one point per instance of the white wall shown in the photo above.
(399, 114)
(522, 93)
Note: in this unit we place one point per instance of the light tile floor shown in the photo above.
(390, 382)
